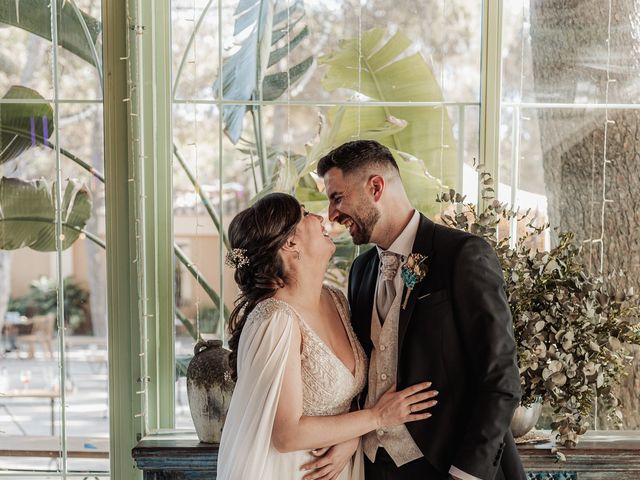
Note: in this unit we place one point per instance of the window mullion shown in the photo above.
(164, 208)
(156, 161)
(490, 92)
(126, 406)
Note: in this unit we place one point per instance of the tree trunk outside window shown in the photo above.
(96, 255)
(569, 52)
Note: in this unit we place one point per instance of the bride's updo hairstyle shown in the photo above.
(256, 235)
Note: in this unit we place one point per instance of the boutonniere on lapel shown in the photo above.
(413, 272)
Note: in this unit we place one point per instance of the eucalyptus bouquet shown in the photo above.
(571, 327)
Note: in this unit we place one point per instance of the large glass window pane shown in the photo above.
(25, 59)
(80, 61)
(196, 234)
(336, 71)
(449, 41)
(29, 381)
(86, 366)
(195, 48)
(53, 365)
(569, 117)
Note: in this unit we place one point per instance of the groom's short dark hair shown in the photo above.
(357, 155)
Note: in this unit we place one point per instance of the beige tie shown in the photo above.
(386, 292)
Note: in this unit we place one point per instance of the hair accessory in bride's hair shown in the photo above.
(237, 258)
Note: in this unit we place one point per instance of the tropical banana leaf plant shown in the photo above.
(266, 31)
(26, 125)
(30, 124)
(274, 30)
(385, 71)
(415, 135)
(28, 214)
(331, 135)
(292, 173)
(420, 138)
(23, 125)
(80, 36)
(78, 32)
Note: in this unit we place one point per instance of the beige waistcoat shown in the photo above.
(382, 374)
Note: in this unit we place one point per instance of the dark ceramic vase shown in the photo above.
(209, 389)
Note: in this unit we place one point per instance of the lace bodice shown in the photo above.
(328, 386)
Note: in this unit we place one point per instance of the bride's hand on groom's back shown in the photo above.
(408, 405)
(331, 461)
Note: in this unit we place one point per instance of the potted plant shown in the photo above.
(570, 326)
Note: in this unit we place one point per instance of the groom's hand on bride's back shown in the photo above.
(330, 462)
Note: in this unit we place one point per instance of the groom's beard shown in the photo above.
(363, 224)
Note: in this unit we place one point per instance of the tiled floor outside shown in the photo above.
(87, 405)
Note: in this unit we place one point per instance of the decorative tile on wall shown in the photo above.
(552, 476)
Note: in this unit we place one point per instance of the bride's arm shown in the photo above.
(293, 431)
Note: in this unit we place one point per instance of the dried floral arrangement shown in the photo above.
(571, 327)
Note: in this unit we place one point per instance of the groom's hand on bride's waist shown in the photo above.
(330, 462)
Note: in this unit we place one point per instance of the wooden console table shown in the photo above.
(598, 456)
(173, 455)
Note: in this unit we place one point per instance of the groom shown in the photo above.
(453, 328)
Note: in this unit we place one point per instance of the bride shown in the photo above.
(297, 363)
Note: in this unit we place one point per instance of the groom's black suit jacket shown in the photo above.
(456, 332)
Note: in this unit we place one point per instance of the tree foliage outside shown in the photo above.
(42, 299)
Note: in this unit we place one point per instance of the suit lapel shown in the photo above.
(366, 297)
(422, 244)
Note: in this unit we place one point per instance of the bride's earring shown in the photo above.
(297, 252)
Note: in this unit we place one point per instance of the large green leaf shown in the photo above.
(425, 148)
(27, 214)
(77, 31)
(23, 125)
(274, 29)
(333, 134)
(308, 193)
(292, 172)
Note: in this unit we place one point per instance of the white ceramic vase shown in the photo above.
(525, 418)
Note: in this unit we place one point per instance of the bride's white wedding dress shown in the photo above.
(246, 451)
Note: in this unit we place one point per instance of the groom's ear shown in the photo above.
(376, 186)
